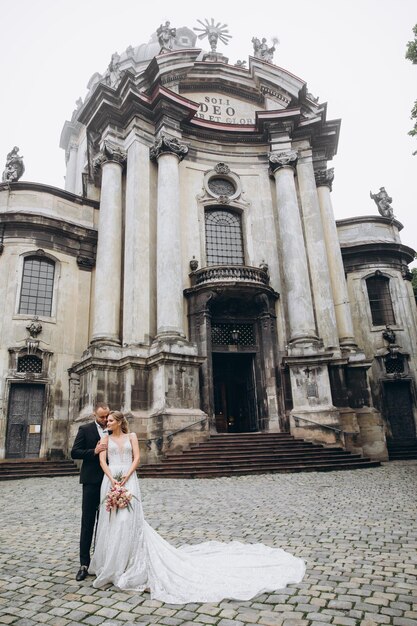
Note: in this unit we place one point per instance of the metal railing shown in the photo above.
(159, 441)
(339, 433)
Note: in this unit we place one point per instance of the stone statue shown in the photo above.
(166, 36)
(113, 73)
(389, 335)
(214, 32)
(261, 50)
(14, 167)
(383, 202)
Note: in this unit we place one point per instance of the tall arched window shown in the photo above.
(380, 300)
(224, 244)
(37, 286)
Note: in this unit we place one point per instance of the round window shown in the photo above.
(221, 186)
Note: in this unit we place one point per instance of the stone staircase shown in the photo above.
(11, 469)
(402, 449)
(253, 453)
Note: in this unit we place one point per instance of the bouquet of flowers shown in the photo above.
(119, 497)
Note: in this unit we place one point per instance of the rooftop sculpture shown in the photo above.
(383, 202)
(166, 36)
(261, 50)
(14, 166)
(214, 32)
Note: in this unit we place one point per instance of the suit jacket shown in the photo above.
(83, 448)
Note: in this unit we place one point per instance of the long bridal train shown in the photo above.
(131, 555)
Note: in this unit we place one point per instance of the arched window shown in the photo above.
(224, 244)
(380, 300)
(37, 286)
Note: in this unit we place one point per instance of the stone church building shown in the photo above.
(192, 273)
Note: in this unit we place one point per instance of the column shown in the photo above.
(107, 289)
(294, 260)
(317, 255)
(168, 152)
(71, 175)
(137, 248)
(324, 179)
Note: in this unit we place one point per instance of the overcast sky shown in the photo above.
(350, 53)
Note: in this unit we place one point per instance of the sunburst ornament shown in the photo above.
(213, 32)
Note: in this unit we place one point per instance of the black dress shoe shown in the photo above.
(82, 573)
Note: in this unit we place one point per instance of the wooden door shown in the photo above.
(399, 409)
(24, 421)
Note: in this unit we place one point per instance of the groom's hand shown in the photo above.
(101, 445)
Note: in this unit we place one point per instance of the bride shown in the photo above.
(134, 557)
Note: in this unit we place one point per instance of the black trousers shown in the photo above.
(90, 504)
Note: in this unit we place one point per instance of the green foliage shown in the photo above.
(411, 52)
(411, 55)
(414, 281)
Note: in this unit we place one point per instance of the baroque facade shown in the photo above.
(192, 273)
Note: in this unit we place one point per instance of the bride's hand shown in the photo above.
(123, 481)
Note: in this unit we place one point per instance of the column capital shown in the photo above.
(324, 178)
(284, 158)
(168, 145)
(110, 153)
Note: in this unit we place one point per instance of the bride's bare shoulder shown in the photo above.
(133, 436)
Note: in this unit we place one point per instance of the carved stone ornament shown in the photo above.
(166, 36)
(85, 262)
(383, 202)
(324, 178)
(168, 145)
(213, 32)
(224, 199)
(261, 50)
(109, 153)
(14, 167)
(282, 159)
(222, 168)
(34, 328)
(193, 264)
(389, 335)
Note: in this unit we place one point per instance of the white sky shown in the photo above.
(350, 53)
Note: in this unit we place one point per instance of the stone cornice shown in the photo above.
(54, 191)
(51, 233)
(375, 255)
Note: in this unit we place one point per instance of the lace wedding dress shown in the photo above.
(132, 556)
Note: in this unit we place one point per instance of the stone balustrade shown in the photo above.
(230, 273)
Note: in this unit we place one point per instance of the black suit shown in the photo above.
(91, 476)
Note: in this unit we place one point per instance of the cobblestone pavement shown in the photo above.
(357, 531)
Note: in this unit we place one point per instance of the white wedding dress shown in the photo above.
(132, 556)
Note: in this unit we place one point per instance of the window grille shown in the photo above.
(221, 186)
(224, 238)
(394, 366)
(29, 363)
(37, 286)
(380, 300)
(232, 334)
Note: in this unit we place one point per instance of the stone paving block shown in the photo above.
(205, 619)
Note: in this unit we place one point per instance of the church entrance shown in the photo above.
(399, 409)
(24, 421)
(235, 403)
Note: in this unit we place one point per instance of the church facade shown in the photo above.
(192, 274)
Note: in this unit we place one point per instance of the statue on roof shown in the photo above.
(166, 36)
(113, 73)
(383, 202)
(261, 50)
(214, 32)
(14, 166)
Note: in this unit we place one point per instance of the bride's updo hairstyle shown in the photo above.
(120, 419)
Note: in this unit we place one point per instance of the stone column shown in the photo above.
(317, 255)
(168, 152)
(107, 289)
(136, 289)
(294, 260)
(71, 175)
(324, 179)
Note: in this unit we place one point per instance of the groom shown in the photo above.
(87, 446)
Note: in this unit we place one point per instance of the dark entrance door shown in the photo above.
(234, 393)
(399, 409)
(24, 421)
